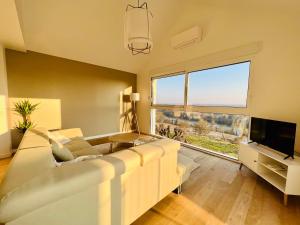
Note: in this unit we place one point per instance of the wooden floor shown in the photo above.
(218, 193)
(3, 166)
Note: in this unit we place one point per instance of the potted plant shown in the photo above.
(25, 108)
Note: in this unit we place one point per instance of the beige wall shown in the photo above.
(228, 36)
(5, 143)
(70, 93)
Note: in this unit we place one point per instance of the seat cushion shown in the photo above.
(102, 148)
(187, 166)
(86, 152)
(77, 143)
(190, 153)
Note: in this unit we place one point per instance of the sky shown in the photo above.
(222, 86)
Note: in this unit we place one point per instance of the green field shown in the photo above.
(214, 145)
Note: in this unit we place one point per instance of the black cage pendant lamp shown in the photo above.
(137, 28)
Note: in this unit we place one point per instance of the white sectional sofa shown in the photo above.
(111, 190)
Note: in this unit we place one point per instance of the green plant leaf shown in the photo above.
(25, 107)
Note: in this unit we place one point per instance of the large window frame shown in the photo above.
(180, 73)
(186, 74)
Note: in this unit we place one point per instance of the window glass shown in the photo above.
(168, 90)
(221, 86)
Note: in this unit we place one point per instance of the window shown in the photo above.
(217, 132)
(225, 86)
(168, 90)
(221, 86)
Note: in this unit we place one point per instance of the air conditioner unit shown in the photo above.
(186, 38)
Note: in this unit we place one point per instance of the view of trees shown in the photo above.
(212, 131)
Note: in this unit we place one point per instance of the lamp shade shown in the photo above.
(134, 97)
(137, 35)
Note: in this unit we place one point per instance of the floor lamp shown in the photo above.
(135, 97)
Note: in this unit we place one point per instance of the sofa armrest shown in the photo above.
(64, 181)
(34, 137)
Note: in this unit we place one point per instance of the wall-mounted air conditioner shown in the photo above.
(186, 38)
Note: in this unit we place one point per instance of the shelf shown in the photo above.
(270, 166)
(273, 179)
(282, 173)
(275, 155)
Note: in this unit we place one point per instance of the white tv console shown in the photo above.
(271, 166)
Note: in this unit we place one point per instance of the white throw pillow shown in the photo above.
(55, 135)
(60, 152)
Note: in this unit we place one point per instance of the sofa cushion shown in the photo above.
(167, 145)
(60, 152)
(190, 153)
(123, 161)
(156, 149)
(187, 166)
(148, 152)
(58, 137)
(77, 143)
(102, 148)
(86, 152)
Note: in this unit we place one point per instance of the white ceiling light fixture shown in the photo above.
(137, 28)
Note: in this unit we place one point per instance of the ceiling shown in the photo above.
(10, 33)
(89, 31)
(267, 5)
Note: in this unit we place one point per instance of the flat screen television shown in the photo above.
(277, 135)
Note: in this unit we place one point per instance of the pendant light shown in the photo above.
(137, 28)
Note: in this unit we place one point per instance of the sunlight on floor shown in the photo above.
(184, 211)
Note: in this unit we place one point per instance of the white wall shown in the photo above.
(5, 140)
(275, 72)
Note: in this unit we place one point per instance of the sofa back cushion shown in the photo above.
(67, 143)
(156, 149)
(68, 133)
(60, 152)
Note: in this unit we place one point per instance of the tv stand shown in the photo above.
(270, 165)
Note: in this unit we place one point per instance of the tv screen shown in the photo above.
(277, 135)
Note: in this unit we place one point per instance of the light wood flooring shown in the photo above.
(217, 193)
(3, 166)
